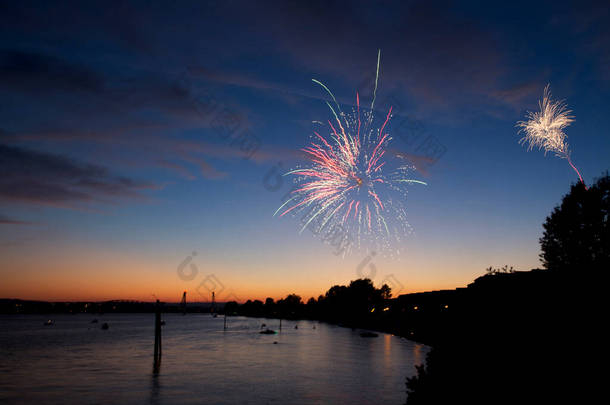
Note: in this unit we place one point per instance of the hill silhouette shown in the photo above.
(528, 337)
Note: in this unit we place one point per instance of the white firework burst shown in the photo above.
(544, 129)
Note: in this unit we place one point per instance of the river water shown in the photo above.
(74, 361)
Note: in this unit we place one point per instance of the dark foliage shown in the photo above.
(349, 305)
(510, 336)
(577, 233)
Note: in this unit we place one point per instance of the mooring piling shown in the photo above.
(157, 352)
(183, 303)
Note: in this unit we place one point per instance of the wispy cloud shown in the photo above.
(144, 113)
(4, 220)
(178, 168)
(440, 57)
(49, 179)
(36, 72)
(520, 94)
(588, 23)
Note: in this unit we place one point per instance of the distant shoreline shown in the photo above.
(419, 317)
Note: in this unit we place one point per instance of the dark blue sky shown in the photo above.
(133, 134)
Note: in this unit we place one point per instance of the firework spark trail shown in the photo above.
(544, 129)
(345, 183)
(376, 78)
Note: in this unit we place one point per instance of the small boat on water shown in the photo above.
(105, 326)
(369, 334)
(49, 322)
(268, 332)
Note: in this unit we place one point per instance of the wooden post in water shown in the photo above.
(157, 353)
(280, 324)
(213, 309)
(183, 303)
(225, 320)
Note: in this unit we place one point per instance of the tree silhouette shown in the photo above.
(576, 234)
(351, 304)
(505, 269)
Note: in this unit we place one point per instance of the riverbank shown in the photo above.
(426, 317)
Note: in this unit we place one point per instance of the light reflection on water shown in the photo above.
(74, 361)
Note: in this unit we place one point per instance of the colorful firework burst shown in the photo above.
(347, 187)
(544, 129)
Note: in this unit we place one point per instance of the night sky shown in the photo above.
(132, 135)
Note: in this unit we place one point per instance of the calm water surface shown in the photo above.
(75, 362)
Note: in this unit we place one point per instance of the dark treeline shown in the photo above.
(358, 304)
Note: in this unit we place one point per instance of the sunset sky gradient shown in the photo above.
(112, 170)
